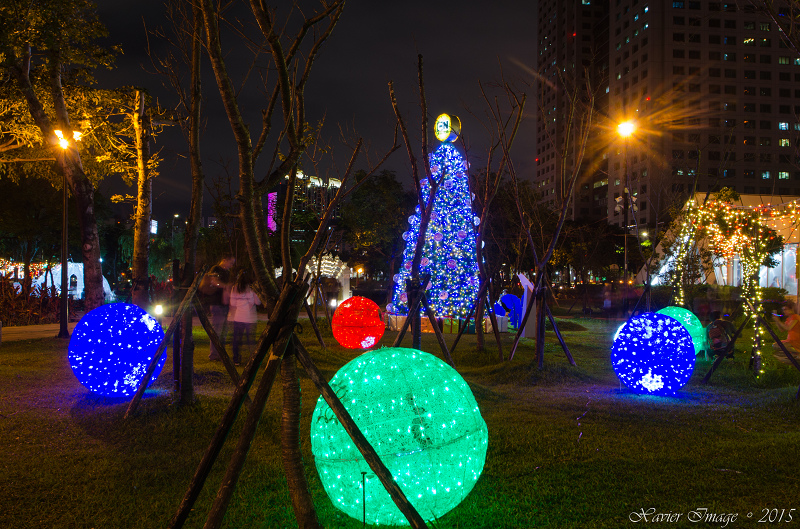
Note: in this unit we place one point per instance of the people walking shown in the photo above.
(243, 301)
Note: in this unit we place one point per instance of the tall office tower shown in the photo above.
(572, 55)
(711, 89)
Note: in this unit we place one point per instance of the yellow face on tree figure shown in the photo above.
(447, 128)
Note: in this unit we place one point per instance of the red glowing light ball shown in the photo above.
(357, 323)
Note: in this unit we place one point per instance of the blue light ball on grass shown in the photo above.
(420, 417)
(111, 347)
(653, 354)
(691, 323)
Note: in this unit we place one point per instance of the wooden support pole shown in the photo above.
(225, 492)
(278, 320)
(176, 340)
(522, 323)
(371, 457)
(777, 340)
(185, 304)
(558, 334)
(405, 325)
(540, 304)
(314, 326)
(212, 335)
(493, 319)
(436, 330)
(463, 328)
(728, 349)
(324, 302)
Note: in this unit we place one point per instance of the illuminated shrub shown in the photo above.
(653, 354)
(111, 347)
(690, 322)
(423, 421)
(357, 323)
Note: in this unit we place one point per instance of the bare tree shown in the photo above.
(575, 128)
(185, 38)
(291, 58)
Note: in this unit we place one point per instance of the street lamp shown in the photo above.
(174, 218)
(625, 130)
(63, 331)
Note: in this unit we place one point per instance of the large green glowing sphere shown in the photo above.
(423, 421)
(691, 323)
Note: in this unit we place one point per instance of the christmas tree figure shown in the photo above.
(449, 254)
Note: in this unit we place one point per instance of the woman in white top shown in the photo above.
(243, 313)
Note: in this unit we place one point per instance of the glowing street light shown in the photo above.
(63, 331)
(625, 130)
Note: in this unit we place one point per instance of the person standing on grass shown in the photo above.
(214, 290)
(791, 324)
(242, 313)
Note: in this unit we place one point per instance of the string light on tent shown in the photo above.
(740, 231)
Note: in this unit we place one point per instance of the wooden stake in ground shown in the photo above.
(728, 349)
(358, 438)
(185, 304)
(278, 320)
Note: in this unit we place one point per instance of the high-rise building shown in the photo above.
(312, 196)
(710, 87)
(572, 59)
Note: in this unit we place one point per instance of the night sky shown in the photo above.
(375, 41)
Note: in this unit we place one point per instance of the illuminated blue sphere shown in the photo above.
(653, 354)
(111, 347)
(691, 323)
(420, 417)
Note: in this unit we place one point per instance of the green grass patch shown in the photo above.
(568, 447)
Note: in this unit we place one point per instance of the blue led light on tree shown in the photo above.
(691, 323)
(449, 253)
(653, 354)
(423, 421)
(111, 347)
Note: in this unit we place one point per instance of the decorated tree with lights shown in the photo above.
(729, 231)
(449, 253)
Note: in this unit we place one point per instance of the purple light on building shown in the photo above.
(272, 205)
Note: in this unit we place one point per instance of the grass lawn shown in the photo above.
(568, 447)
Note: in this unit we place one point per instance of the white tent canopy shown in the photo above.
(75, 273)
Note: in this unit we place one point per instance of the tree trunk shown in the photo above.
(69, 162)
(539, 314)
(195, 209)
(290, 444)
(140, 291)
(90, 240)
(479, 338)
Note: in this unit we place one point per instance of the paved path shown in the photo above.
(32, 332)
(50, 330)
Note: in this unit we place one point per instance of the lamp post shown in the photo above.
(174, 218)
(625, 130)
(63, 331)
